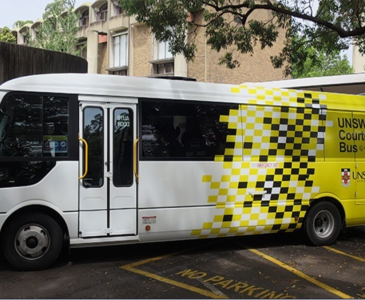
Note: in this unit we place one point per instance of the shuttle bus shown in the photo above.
(91, 160)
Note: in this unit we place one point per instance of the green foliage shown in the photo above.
(319, 64)
(59, 27)
(308, 61)
(231, 26)
(7, 36)
(20, 23)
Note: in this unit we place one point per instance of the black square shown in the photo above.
(227, 218)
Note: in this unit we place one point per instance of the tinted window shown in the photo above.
(34, 126)
(94, 135)
(183, 130)
(35, 132)
(123, 147)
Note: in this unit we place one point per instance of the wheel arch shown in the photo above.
(39, 209)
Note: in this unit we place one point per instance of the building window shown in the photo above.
(84, 20)
(163, 51)
(163, 63)
(166, 68)
(120, 50)
(119, 72)
(82, 49)
(118, 10)
(102, 15)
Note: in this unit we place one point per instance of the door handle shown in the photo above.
(135, 159)
(86, 158)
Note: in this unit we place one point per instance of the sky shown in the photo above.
(14, 10)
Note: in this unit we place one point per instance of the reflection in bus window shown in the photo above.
(183, 130)
(94, 135)
(34, 126)
(123, 147)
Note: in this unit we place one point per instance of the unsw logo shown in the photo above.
(345, 177)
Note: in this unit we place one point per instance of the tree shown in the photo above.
(323, 65)
(317, 63)
(328, 25)
(58, 29)
(7, 36)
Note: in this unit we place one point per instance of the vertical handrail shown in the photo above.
(86, 158)
(135, 159)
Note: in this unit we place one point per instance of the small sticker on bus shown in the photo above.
(265, 165)
(149, 220)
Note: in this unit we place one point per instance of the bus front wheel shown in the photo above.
(32, 241)
(323, 224)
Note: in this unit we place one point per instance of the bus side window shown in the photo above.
(22, 136)
(183, 130)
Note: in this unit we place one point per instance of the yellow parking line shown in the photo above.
(346, 254)
(131, 268)
(146, 261)
(175, 283)
(304, 276)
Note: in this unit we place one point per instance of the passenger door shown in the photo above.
(107, 201)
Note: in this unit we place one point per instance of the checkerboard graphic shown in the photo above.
(265, 185)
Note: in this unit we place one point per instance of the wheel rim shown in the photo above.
(323, 224)
(32, 241)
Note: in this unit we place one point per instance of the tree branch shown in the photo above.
(270, 6)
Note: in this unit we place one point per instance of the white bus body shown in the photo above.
(105, 160)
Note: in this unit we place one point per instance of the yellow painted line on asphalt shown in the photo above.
(301, 274)
(131, 268)
(345, 254)
(170, 281)
(146, 261)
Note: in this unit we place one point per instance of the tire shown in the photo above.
(32, 241)
(323, 224)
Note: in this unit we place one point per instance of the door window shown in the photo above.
(94, 135)
(123, 147)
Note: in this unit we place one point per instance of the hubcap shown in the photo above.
(323, 224)
(32, 241)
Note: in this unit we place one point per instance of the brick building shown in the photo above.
(114, 43)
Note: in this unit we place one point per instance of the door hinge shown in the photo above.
(109, 175)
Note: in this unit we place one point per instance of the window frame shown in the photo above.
(82, 46)
(126, 48)
(102, 14)
(85, 17)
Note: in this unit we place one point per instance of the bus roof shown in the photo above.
(91, 86)
(121, 86)
(345, 84)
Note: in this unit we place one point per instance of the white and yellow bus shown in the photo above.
(91, 160)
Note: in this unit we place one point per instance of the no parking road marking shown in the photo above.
(228, 284)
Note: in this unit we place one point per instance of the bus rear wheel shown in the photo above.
(323, 224)
(32, 241)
